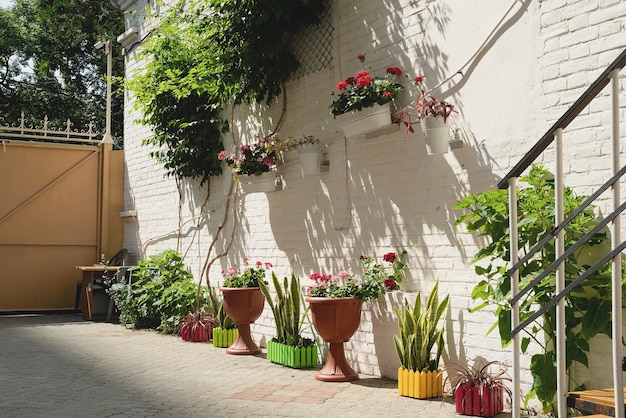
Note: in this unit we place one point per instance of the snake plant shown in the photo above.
(419, 332)
(286, 309)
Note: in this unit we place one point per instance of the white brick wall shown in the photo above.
(386, 193)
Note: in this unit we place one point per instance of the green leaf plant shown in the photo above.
(419, 331)
(587, 308)
(288, 315)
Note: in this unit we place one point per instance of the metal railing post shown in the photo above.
(561, 347)
(516, 405)
(617, 261)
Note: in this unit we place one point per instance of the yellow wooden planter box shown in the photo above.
(419, 385)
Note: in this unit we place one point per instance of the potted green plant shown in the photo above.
(289, 347)
(363, 102)
(225, 333)
(243, 302)
(336, 302)
(477, 391)
(197, 327)
(253, 164)
(419, 331)
(308, 149)
(433, 116)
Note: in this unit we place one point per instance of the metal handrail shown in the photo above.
(601, 82)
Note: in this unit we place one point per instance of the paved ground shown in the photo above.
(62, 366)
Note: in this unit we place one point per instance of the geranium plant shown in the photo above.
(425, 106)
(292, 143)
(254, 159)
(363, 90)
(250, 276)
(376, 279)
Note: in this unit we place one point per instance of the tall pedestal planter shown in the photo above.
(479, 401)
(244, 306)
(419, 385)
(264, 183)
(336, 320)
(224, 337)
(288, 355)
(365, 120)
(437, 133)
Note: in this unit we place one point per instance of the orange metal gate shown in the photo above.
(59, 208)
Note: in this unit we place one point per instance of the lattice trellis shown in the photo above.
(313, 46)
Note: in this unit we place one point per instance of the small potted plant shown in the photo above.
(433, 116)
(363, 101)
(420, 331)
(197, 327)
(243, 302)
(336, 303)
(477, 391)
(225, 333)
(308, 149)
(253, 165)
(289, 347)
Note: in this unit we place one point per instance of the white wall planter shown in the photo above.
(264, 183)
(437, 133)
(365, 120)
(309, 155)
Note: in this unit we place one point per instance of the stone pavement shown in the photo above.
(62, 366)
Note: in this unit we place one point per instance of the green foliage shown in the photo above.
(419, 332)
(288, 316)
(204, 56)
(49, 66)
(162, 291)
(587, 310)
(225, 322)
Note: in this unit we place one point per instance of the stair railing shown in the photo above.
(555, 133)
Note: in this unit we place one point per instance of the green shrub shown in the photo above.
(162, 291)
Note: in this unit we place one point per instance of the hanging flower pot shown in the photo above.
(365, 120)
(437, 133)
(309, 155)
(264, 183)
(336, 320)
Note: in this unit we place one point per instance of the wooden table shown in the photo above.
(91, 273)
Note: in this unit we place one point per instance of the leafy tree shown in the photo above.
(49, 65)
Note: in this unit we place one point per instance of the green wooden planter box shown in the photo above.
(287, 355)
(224, 337)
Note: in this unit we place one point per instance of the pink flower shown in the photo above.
(231, 271)
(258, 263)
(344, 274)
(387, 93)
(268, 161)
(222, 155)
(268, 265)
(389, 257)
(315, 276)
(309, 289)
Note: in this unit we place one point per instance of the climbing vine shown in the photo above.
(201, 57)
(588, 309)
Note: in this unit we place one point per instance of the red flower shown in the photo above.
(362, 73)
(387, 93)
(342, 85)
(390, 257)
(363, 80)
(361, 57)
(390, 284)
(394, 71)
(315, 276)
(419, 79)
(350, 80)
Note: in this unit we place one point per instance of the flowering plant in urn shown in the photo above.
(376, 280)
(250, 276)
(364, 90)
(252, 159)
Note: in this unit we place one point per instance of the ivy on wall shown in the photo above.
(204, 56)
